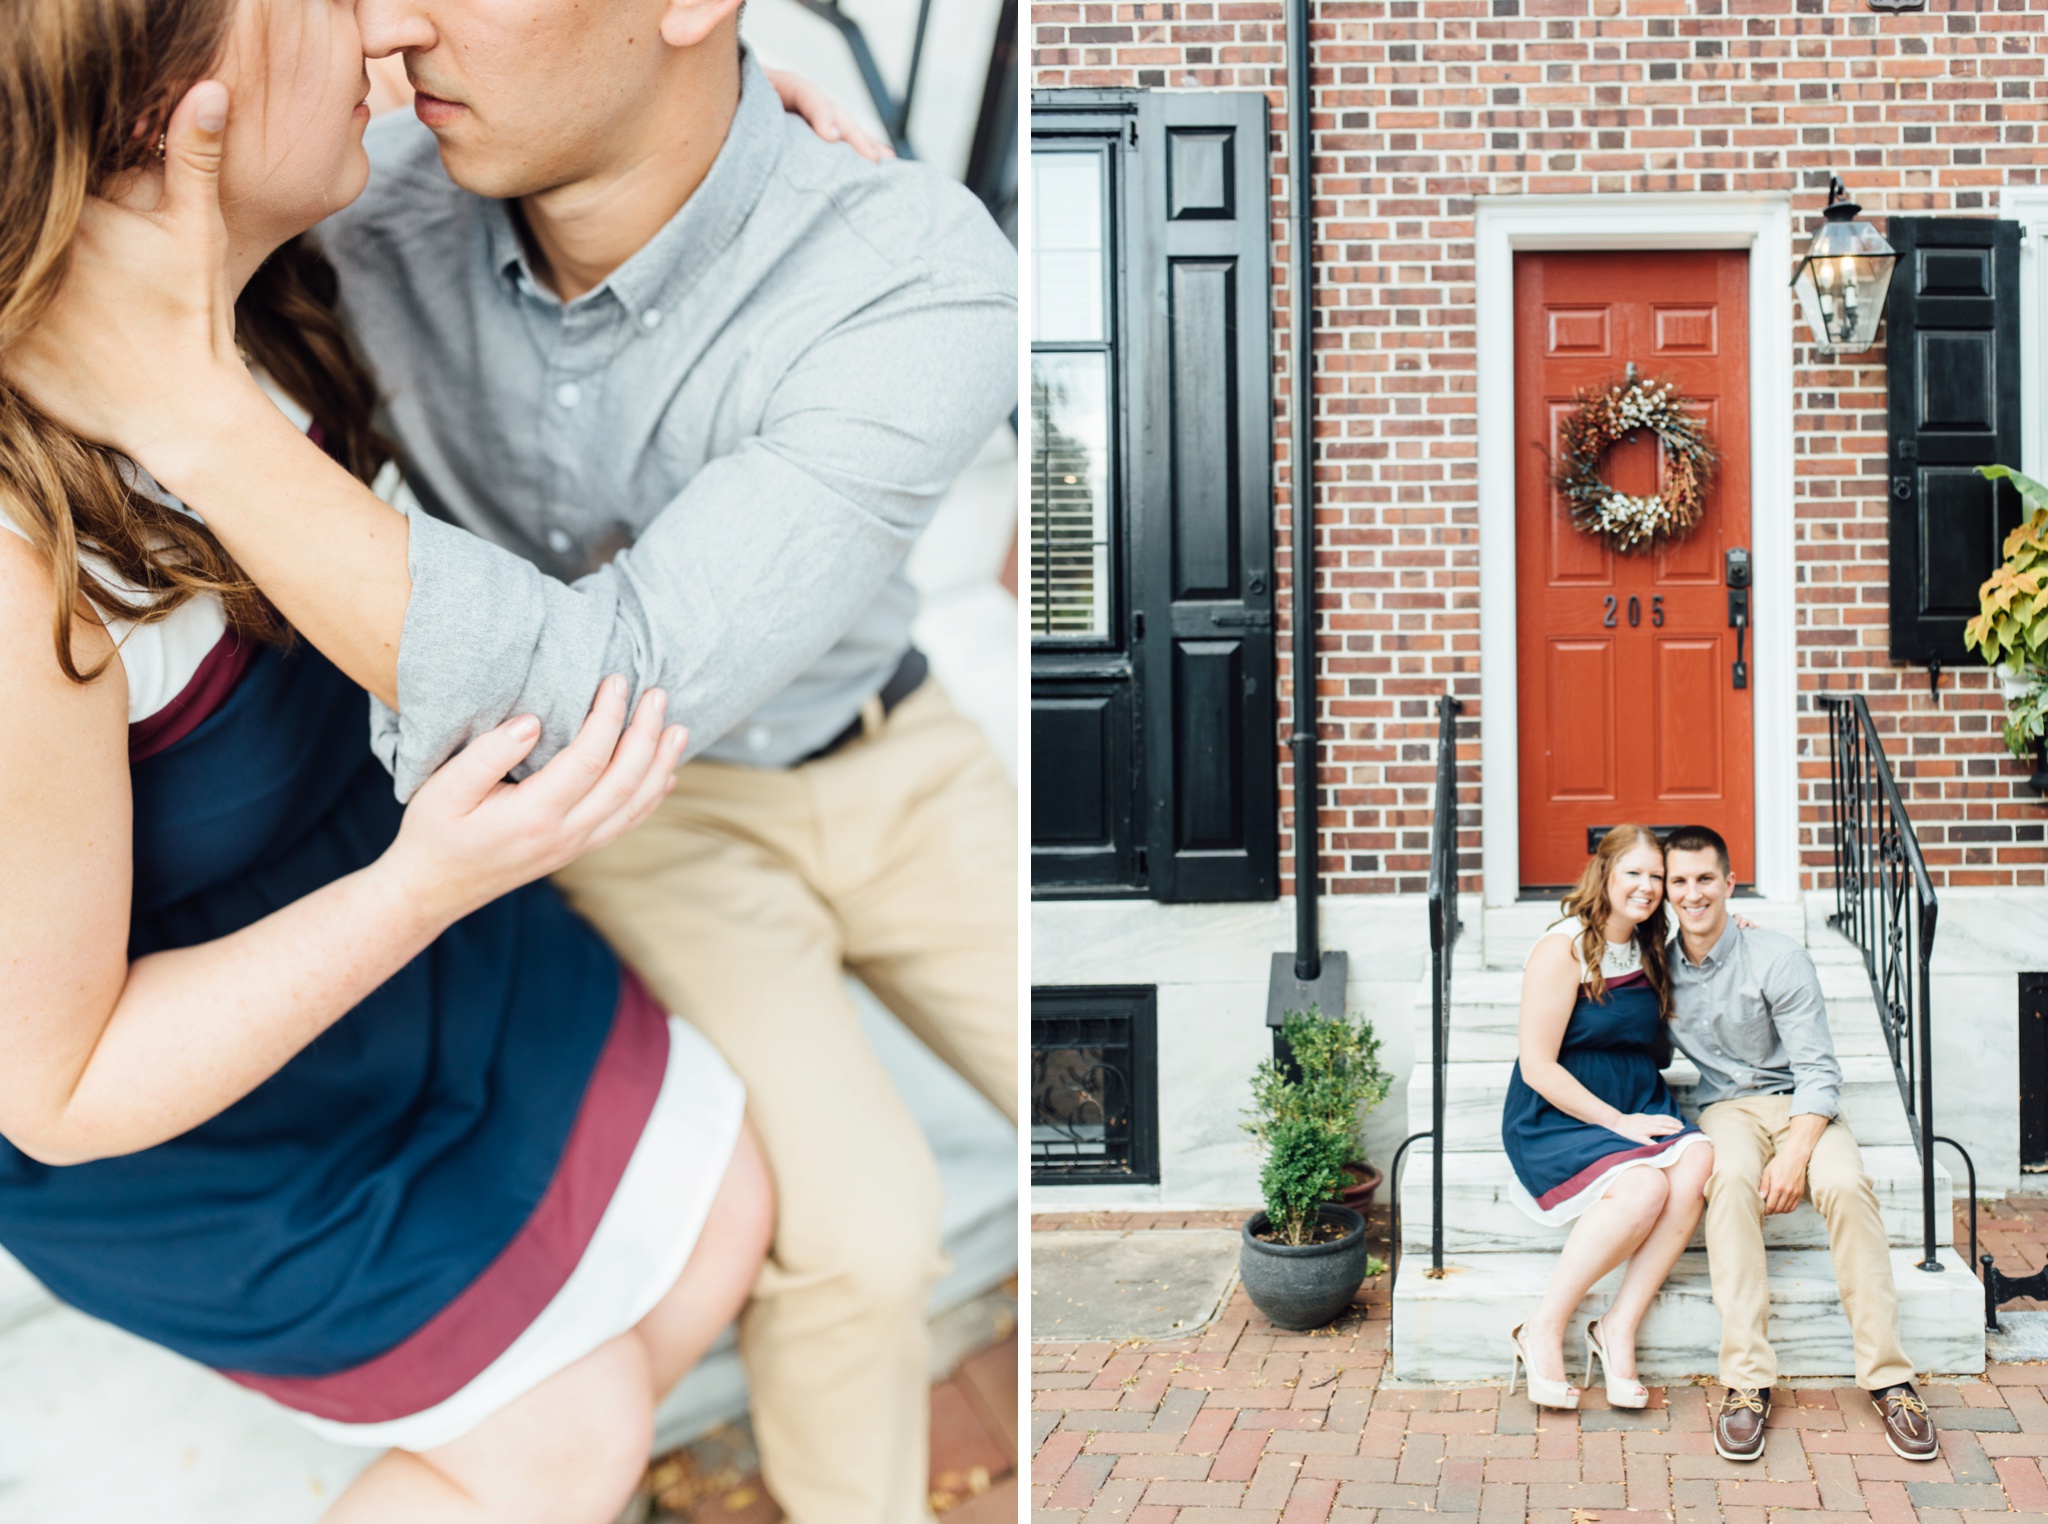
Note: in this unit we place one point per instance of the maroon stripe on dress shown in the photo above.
(208, 689)
(1623, 981)
(463, 1338)
(1599, 1167)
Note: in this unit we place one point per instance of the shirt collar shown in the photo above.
(667, 263)
(1719, 952)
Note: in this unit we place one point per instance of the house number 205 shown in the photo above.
(1635, 610)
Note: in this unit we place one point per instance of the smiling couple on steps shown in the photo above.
(1596, 1141)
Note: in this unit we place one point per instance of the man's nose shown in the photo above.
(393, 26)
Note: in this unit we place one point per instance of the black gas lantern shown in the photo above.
(1843, 279)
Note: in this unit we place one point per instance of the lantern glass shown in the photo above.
(1842, 283)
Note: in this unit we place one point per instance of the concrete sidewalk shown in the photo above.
(1246, 1424)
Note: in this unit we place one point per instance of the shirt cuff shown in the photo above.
(470, 632)
(1819, 1101)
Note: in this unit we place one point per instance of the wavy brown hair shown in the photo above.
(1588, 900)
(85, 87)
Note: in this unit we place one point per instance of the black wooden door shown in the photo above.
(1153, 726)
(1952, 356)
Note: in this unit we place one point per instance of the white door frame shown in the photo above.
(1763, 225)
(2028, 206)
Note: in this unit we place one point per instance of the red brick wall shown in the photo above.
(1420, 105)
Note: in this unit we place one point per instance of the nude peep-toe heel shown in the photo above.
(1543, 1392)
(1622, 1391)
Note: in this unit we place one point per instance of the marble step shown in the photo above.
(1455, 1329)
(1488, 1033)
(1474, 1092)
(1481, 1218)
(1485, 997)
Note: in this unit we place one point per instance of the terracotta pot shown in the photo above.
(1358, 1194)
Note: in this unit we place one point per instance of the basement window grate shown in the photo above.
(1094, 1094)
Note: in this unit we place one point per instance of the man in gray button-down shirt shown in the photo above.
(1748, 1012)
(675, 385)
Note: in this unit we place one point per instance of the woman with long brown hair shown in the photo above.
(331, 1096)
(1589, 1124)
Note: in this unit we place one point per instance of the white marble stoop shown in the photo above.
(1496, 1261)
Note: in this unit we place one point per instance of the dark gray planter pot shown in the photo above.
(1306, 1287)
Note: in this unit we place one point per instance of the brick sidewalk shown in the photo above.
(1246, 1424)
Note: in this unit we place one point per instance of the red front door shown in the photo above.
(1625, 664)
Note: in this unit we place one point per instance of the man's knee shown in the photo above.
(1735, 1171)
(876, 1239)
(1840, 1186)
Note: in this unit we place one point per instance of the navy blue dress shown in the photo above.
(369, 1228)
(1562, 1164)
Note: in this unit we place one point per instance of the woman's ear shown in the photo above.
(685, 23)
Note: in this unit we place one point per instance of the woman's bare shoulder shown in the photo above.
(52, 721)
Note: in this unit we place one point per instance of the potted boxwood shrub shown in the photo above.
(2011, 627)
(1302, 1258)
(1340, 1082)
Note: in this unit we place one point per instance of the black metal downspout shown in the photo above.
(1308, 947)
(1309, 980)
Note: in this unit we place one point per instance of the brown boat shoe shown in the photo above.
(1739, 1423)
(1908, 1427)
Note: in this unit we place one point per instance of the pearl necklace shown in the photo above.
(1621, 958)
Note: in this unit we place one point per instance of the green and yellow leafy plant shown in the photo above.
(2011, 627)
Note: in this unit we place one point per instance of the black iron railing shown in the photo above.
(1444, 927)
(1885, 904)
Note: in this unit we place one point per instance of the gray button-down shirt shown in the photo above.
(1750, 1016)
(707, 472)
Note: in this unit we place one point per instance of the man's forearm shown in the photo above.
(1803, 1134)
(324, 548)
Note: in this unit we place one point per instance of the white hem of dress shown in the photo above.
(1575, 1206)
(641, 1244)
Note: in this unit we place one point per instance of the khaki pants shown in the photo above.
(1747, 1131)
(741, 903)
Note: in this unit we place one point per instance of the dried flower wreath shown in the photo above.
(1634, 523)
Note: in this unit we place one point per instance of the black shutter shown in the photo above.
(1198, 375)
(1952, 358)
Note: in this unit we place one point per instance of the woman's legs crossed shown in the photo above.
(573, 1449)
(1651, 1263)
(1602, 1238)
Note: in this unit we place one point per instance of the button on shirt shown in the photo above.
(707, 472)
(1751, 1018)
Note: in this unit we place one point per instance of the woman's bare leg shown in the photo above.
(573, 1449)
(1601, 1239)
(715, 1284)
(1654, 1257)
(570, 1451)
